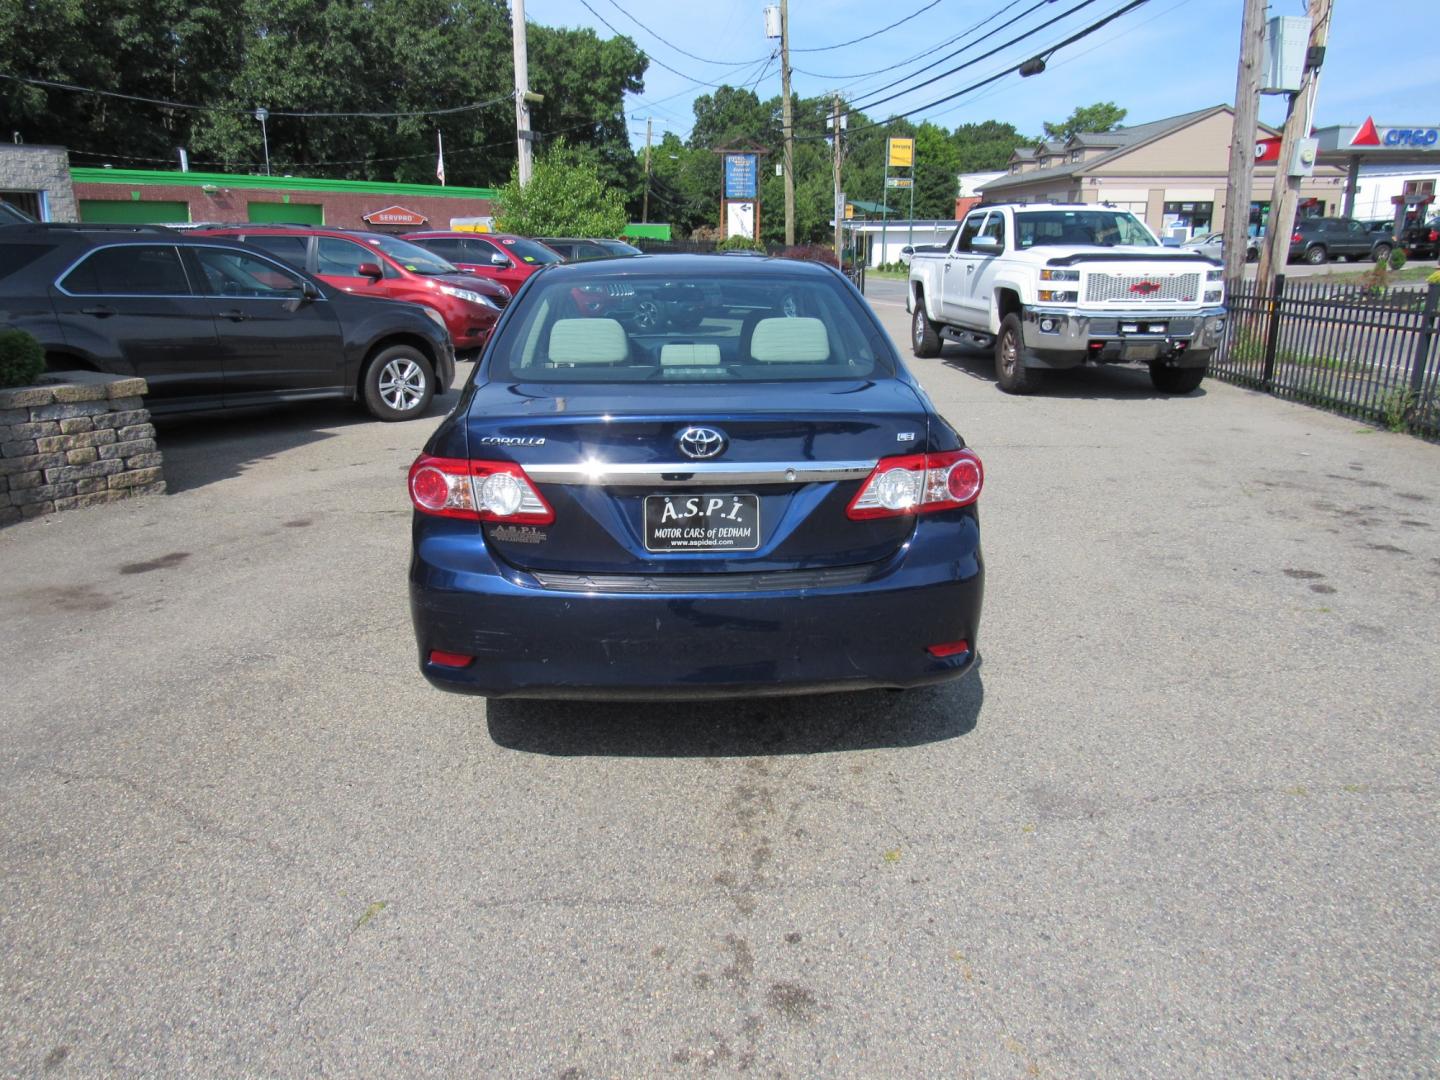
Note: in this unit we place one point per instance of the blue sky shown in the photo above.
(1167, 57)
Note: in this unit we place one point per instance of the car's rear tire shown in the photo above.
(1381, 253)
(1010, 371)
(1176, 380)
(399, 383)
(924, 339)
(1317, 255)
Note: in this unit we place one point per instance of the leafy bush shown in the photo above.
(820, 253)
(22, 358)
(1397, 258)
(1433, 279)
(1397, 407)
(565, 197)
(740, 243)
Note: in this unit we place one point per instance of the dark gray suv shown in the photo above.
(1317, 240)
(213, 323)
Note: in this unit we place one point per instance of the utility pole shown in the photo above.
(839, 160)
(1286, 193)
(789, 120)
(523, 134)
(1242, 143)
(645, 214)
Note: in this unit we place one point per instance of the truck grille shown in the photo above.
(1144, 289)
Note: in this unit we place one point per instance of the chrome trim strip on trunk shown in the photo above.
(678, 584)
(699, 473)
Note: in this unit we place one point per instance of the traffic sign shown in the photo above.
(899, 181)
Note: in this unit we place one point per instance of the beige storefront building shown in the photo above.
(1170, 172)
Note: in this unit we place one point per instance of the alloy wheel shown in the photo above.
(402, 384)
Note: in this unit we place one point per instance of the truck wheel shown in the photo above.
(1381, 253)
(399, 383)
(1176, 380)
(924, 341)
(1316, 255)
(1010, 370)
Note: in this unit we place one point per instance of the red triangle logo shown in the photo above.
(1367, 135)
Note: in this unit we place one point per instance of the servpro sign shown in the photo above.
(395, 215)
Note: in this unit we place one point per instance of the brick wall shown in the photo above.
(342, 210)
(40, 168)
(80, 442)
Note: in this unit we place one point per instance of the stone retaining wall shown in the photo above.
(75, 440)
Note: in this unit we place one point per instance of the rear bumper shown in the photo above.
(533, 641)
(1057, 337)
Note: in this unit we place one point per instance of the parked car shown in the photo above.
(211, 323)
(500, 257)
(1316, 240)
(765, 504)
(1213, 244)
(1056, 286)
(1422, 239)
(379, 264)
(575, 249)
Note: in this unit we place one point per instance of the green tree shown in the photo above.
(565, 197)
(937, 168)
(1102, 116)
(987, 145)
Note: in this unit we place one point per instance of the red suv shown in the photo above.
(497, 256)
(377, 264)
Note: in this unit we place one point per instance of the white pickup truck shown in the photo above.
(1057, 286)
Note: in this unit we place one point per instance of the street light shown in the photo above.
(262, 115)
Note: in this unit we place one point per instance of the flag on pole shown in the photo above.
(440, 160)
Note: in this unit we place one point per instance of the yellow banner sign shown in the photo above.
(901, 152)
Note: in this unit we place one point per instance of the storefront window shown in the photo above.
(1192, 217)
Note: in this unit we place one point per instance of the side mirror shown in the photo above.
(370, 270)
(308, 292)
(497, 259)
(985, 245)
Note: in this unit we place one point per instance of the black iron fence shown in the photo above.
(1360, 350)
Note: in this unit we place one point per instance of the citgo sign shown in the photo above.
(1399, 138)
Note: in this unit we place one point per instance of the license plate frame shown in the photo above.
(1143, 351)
(695, 522)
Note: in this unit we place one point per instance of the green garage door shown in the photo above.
(130, 212)
(288, 213)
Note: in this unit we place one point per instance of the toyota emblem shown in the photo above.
(701, 442)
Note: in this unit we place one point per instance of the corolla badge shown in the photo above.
(701, 442)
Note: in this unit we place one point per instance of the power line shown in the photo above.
(677, 48)
(926, 54)
(163, 103)
(868, 100)
(1079, 35)
(654, 60)
(874, 33)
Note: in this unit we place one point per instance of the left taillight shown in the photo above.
(477, 491)
(919, 484)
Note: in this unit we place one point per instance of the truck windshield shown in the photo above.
(1083, 228)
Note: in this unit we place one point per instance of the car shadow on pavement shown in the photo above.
(745, 727)
(204, 449)
(1092, 383)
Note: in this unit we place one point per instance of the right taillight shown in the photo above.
(477, 491)
(919, 484)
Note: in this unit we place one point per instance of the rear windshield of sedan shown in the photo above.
(690, 328)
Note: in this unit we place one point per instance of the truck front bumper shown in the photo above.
(1057, 337)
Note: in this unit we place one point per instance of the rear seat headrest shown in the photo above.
(790, 341)
(588, 341)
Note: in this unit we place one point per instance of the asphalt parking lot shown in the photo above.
(1184, 821)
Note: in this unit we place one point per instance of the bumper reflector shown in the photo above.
(450, 659)
(948, 648)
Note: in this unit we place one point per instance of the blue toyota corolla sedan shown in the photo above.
(693, 476)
